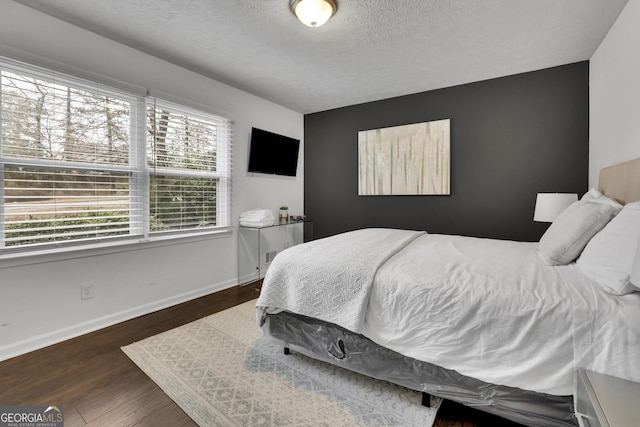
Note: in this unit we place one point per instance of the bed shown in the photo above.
(498, 325)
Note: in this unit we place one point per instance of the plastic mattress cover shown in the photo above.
(334, 344)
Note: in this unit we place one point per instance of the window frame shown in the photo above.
(140, 235)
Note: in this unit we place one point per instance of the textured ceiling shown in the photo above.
(370, 50)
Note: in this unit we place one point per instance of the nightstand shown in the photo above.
(606, 401)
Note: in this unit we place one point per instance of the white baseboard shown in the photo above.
(248, 278)
(35, 343)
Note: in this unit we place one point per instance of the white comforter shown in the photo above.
(488, 309)
(330, 279)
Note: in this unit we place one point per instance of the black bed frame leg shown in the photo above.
(426, 399)
(287, 351)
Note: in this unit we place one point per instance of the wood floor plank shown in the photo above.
(109, 399)
(72, 418)
(98, 385)
(135, 411)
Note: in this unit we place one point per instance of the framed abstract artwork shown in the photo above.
(405, 160)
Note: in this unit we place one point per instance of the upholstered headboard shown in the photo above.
(621, 181)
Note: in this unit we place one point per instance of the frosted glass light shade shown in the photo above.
(550, 205)
(313, 13)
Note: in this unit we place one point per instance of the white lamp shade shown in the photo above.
(550, 205)
(314, 13)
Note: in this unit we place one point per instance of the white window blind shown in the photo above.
(76, 168)
(189, 160)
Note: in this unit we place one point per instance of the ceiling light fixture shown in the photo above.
(313, 13)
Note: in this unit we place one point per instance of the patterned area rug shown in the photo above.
(221, 372)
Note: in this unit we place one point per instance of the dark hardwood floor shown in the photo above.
(98, 385)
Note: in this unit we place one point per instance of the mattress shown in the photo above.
(488, 309)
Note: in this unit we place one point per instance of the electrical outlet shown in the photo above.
(87, 291)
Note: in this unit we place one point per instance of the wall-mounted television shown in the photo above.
(272, 153)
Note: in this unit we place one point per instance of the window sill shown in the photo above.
(18, 259)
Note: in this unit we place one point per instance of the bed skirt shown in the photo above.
(334, 344)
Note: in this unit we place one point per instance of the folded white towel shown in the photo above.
(257, 224)
(255, 218)
(257, 215)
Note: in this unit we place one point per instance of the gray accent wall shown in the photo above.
(511, 138)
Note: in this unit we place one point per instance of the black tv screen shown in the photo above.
(272, 153)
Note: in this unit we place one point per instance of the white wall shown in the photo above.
(40, 303)
(615, 94)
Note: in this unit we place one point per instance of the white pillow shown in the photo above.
(572, 229)
(595, 196)
(612, 257)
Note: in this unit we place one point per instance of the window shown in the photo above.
(82, 162)
(189, 168)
